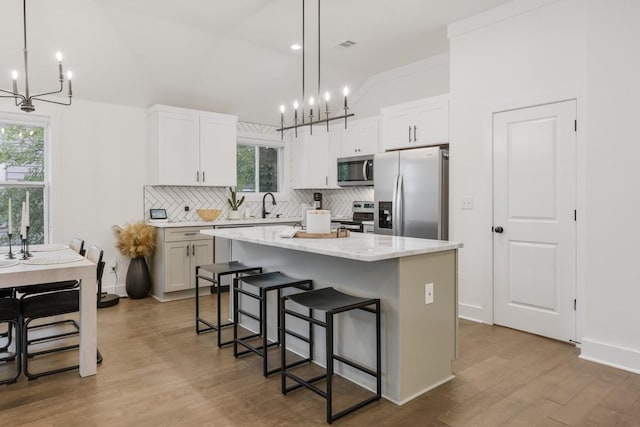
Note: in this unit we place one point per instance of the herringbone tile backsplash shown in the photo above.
(174, 199)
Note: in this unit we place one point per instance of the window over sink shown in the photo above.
(259, 167)
(22, 169)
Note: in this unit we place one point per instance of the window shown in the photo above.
(259, 168)
(22, 169)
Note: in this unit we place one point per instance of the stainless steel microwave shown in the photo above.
(355, 171)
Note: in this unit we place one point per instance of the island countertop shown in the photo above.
(358, 246)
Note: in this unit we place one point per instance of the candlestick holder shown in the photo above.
(27, 253)
(10, 254)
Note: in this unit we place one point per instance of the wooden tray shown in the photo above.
(305, 235)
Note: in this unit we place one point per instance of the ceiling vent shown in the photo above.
(346, 44)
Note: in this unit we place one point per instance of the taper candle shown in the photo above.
(28, 220)
(10, 230)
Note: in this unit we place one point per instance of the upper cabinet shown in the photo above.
(361, 137)
(189, 147)
(314, 158)
(418, 123)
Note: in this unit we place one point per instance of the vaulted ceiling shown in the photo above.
(229, 56)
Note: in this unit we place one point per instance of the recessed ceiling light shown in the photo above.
(296, 46)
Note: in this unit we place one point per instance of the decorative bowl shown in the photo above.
(209, 214)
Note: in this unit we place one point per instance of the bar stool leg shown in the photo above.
(235, 317)
(263, 329)
(378, 351)
(329, 339)
(219, 317)
(283, 343)
(197, 301)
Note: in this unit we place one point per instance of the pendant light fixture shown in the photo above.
(312, 101)
(25, 101)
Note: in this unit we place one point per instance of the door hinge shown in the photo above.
(575, 215)
(575, 126)
(575, 304)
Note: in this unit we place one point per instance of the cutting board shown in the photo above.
(305, 235)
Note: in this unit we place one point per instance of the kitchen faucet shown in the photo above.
(264, 198)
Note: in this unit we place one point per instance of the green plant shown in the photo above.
(233, 201)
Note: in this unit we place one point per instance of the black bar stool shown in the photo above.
(332, 302)
(10, 314)
(218, 270)
(272, 281)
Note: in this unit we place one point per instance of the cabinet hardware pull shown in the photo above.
(193, 250)
(190, 234)
(326, 180)
(197, 176)
(415, 135)
(409, 133)
(203, 179)
(187, 250)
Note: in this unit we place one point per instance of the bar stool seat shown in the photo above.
(265, 282)
(218, 270)
(332, 302)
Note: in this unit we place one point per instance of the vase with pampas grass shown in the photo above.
(136, 240)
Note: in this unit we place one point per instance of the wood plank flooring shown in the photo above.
(158, 372)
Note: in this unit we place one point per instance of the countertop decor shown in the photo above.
(136, 240)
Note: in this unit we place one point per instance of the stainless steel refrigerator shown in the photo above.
(411, 193)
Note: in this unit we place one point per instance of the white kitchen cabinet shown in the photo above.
(314, 158)
(178, 251)
(190, 147)
(416, 124)
(361, 137)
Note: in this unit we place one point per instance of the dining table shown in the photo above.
(55, 263)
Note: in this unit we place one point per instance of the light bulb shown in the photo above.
(345, 91)
(59, 56)
(282, 109)
(311, 101)
(70, 75)
(295, 105)
(14, 75)
(327, 96)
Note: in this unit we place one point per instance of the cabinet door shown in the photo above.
(217, 151)
(350, 141)
(398, 129)
(369, 136)
(335, 138)
(178, 148)
(311, 160)
(201, 253)
(431, 123)
(177, 266)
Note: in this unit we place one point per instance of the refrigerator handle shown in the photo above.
(394, 209)
(364, 170)
(400, 218)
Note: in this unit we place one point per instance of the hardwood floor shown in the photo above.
(158, 372)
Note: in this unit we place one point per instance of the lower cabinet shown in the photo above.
(178, 252)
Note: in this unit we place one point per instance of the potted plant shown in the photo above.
(136, 240)
(235, 204)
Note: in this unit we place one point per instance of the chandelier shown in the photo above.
(25, 101)
(317, 119)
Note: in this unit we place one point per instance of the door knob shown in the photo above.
(498, 229)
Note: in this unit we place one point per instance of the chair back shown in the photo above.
(77, 245)
(95, 254)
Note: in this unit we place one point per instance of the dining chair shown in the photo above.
(10, 314)
(48, 304)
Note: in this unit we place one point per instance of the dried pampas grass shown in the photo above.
(136, 239)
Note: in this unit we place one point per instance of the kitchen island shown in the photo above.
(418, 339)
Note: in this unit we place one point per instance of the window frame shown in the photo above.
(260, 140)
(45, 123)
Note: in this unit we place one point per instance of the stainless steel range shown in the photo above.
(362, 219)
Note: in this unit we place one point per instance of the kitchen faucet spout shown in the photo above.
(264, 199)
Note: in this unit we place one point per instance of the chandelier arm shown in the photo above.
(13, 95)
(51, 102)
(49, 93)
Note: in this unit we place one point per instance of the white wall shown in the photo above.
(612, 327)
(97, 162)
(413, 81)
(534, 57)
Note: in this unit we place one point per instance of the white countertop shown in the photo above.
(358, 246)
(223, 222)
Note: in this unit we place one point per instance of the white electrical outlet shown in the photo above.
(428, 293)
(467, 203)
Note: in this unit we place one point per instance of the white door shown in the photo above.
(178, 149)
(534, 239)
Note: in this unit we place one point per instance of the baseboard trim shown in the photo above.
(474, 313)
(421, 392)
(612, 355)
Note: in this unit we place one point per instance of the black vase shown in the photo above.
(138, 282)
